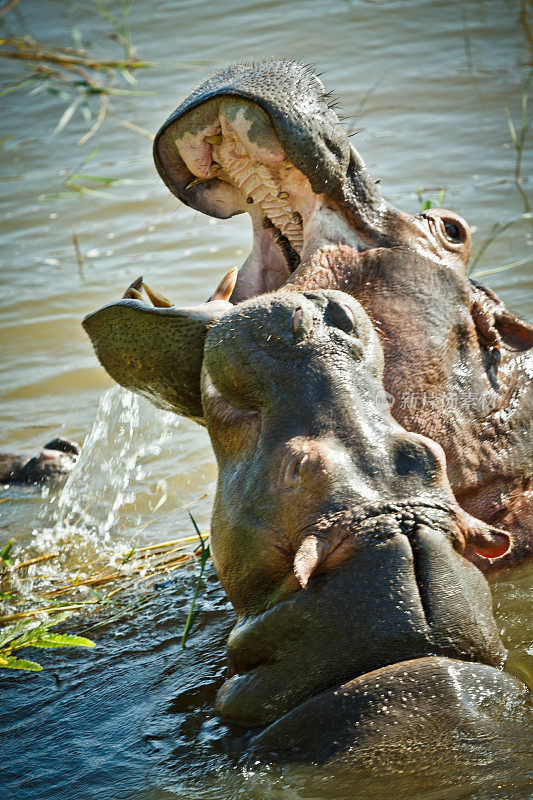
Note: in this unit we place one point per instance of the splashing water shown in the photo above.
(127, 429)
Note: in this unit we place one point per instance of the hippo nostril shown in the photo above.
(302, 323)
(341, 316)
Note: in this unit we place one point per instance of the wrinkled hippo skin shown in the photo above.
(261, 138)
(52, 464)
(337, 538)
(362, 630)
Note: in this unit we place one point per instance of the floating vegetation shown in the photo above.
(518, 138)
(28, 633)
(107, 588)
(74, 74)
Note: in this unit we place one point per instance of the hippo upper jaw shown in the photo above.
(262, 138)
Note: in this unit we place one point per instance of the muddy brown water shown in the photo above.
(427, 86)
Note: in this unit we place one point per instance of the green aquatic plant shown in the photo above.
(497, 229)
(204, 555)
(32, 633)
(518, 137)
(426, 204)
(120, 21)
(78, 182)
(5, 554)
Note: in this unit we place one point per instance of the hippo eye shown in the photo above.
(452, 231)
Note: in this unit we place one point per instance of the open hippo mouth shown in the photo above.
(262, 139)
(255, 138)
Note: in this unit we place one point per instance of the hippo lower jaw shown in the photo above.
(388, 602)
(404, 715)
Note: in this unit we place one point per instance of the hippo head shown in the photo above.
(262, 138)
(57, 458)
(335, 532)
(305, 443)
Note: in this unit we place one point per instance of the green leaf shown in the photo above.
(10, 631)
(62, 640)
(19, 663)
(128, 77)
(86, 111)
(76, 38)
(57, 92)
(95, 178)
(205, 555)
(67, 115)
(203, 559)
(6, 550)
(19, 85)
(128, 555)
(514, 137)
(478, 273)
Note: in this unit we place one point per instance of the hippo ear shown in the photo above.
(497, 327)
(486, 540)
(158, 351)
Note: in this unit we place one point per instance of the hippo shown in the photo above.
(364, 637)
(52, 464)
(263, 138)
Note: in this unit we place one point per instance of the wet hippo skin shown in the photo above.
(51, 464)
(261, 138)
(338, 540)
(362, 632)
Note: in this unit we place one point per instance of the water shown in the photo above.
(133, 717)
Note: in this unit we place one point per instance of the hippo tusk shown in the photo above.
(132, 292)
(157, 350)
(309, 555)
(226, 286)
(157, 299)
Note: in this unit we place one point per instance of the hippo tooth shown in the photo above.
(309, 555)
(194, 182)
(226, 286)
(157, 299)
(133, 294)
(216, 139)
(137, 284)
